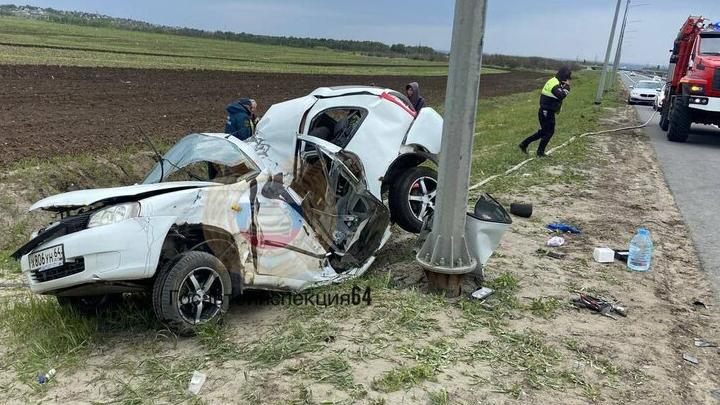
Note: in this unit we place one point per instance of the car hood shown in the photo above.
(81, 198)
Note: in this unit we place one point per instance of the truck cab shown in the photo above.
(693, 91)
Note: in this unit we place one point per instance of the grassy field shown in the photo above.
(497, 136)
(401, 342)
(26, 41)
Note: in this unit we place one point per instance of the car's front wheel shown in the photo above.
(412, 197)
(195, 289)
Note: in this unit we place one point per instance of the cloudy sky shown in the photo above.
(571, 29)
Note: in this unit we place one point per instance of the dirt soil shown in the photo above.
(49, 110)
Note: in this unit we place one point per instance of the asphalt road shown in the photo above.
(692, 170)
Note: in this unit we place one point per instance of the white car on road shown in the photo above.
(298, 205)
(644, 91)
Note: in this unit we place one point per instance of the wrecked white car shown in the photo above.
(376, 125)
(298, 205)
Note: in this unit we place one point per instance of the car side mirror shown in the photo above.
(631, 87)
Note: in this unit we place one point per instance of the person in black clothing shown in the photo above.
(412, 91)
(551, 99)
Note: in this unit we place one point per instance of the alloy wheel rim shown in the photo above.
(200, 296)
(421, 197)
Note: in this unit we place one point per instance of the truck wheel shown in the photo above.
(412, 197)
(91, 304)
(664, 113)
(679, 127)
(194, 289)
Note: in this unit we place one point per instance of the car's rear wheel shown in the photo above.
(91, 304)
(412, 197)
(193, 290)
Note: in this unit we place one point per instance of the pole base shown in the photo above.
(448, 284)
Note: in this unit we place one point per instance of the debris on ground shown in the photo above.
(521, 209)
(705, 343)
(699, 303)
(690, 359)
(44, 378)
(605, 308)
(556, 241)
(482, 293)
(604, 255)
(621, 255)
(550, 253)
(196, 382)
(563, 227)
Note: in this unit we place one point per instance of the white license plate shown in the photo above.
(49, 258)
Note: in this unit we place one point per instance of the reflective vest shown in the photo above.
(549, 86)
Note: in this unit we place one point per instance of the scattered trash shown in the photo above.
(599, 305)
(621, 255)
(641, 249)
(556, 241)
(604, 255)
(699, 303)
(521, 209)
(44, 378)
(196, 382)
(690, 359)
(550, 253)
(715, 394)
(563, 227)
(705, 343)
(482, 293)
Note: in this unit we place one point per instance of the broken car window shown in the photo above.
(202, 158)
(337, 125)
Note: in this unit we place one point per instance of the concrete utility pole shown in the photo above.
(445, 255)
(601, 85)
(618, 50)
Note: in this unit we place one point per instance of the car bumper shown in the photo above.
(640, 99)
(710, 104)
(127, 250)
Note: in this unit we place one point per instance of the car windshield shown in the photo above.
(202, 158)
(646, 84)
(710, 45)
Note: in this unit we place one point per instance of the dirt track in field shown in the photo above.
(53, 110)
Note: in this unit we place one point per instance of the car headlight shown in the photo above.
(114, 213)
(697, 89)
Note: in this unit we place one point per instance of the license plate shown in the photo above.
(49, 258)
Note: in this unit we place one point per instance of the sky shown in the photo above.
(568, 29)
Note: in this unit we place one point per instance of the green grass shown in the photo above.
(8, 265)
(34, 42)
(45, 335)
(497, 136)
(545, 307)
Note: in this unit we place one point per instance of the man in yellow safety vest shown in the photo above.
(551, 99)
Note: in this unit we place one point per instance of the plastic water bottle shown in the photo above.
(640, 251)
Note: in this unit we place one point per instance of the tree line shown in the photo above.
(370, 48)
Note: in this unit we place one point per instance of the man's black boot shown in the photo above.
(523, 148)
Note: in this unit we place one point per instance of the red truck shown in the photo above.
(692, 94)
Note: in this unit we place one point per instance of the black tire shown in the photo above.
(680, 121)
(405, 212)
(664, 113)
(180, 289)
(630, 101)
(91, 304)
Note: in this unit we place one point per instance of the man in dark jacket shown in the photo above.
(551, 99)
(241, 118)
(412, 91)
